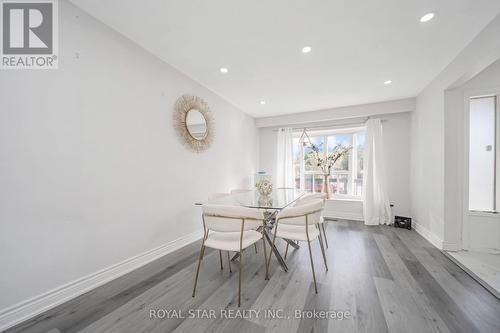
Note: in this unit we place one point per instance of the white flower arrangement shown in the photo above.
(264, 186)
(325, 164)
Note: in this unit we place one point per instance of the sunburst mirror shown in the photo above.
(194, 122)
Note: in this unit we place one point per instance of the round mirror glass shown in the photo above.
(196, 124)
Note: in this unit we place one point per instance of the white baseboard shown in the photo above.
(484, 249)
(427, 234)
(453, 247)
(27, 309)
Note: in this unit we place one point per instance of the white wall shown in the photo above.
(340, 113)
(396, 130)
(91, 170)
(427, 160)
(344, 209)
(433, 149)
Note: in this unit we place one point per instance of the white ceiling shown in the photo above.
(357, 45)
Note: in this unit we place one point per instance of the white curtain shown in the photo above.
(376, 207)
(284, 172)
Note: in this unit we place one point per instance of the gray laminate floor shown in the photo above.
(380, 279)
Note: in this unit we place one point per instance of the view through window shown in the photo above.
(482, 154)
(346, 177)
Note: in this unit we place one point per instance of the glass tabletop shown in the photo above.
(278, 199)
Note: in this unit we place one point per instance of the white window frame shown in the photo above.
(466, 128)
(353, 159)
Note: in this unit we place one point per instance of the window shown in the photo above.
(482, 154)
(346, 177)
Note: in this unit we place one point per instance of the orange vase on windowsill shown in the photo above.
(326, 186)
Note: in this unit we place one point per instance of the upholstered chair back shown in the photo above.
(297, 214)
(310, 196)
(230, 218)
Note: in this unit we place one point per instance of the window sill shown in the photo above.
(482, 214)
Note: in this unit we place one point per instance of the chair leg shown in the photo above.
(324, 234)
(229, 262)
(312, 266)
(220, 257)
(272, 247)
(202, 251)
(265, 257)
(322, 249)
(239, 281)
(286, 250)
(255, 246)
(319, 235)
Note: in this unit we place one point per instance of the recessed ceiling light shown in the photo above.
(387, 82)
(306, 49)
(224, 70)
(427, 17)
(262, 102)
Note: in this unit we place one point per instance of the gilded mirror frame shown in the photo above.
(182, 107)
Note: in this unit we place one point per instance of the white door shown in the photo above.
(481, 228)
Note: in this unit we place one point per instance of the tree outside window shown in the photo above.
(346, 177)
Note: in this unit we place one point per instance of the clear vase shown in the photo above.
(326, 186)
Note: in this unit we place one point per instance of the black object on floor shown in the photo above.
(402, 222)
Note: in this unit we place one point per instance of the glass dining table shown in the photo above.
(279, 199)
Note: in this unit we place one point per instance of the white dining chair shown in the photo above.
(305, 199)
(214, 198)
(231, 228)
(300, 223)
(311, 196)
